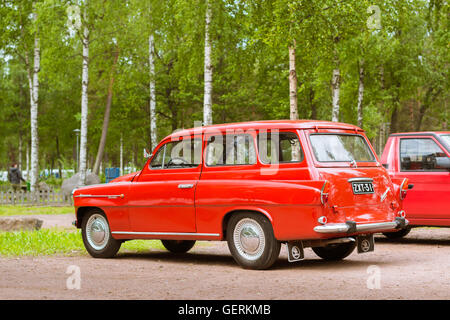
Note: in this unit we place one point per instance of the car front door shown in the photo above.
(162, 197)
(419, 162)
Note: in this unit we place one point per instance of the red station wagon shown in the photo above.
(257, 185)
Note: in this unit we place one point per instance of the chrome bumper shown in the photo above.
(353, 227)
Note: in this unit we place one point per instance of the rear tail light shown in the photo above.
(324, 192)
(322, 220)
(401, 214)
(403, 189)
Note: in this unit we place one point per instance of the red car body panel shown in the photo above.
(428, 202)
(151, 204)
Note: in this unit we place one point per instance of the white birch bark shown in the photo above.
(335, 84)
(84, 107)
(34, 97)
(151, 54)
(207, 99)
(292, 84)
(360, 94)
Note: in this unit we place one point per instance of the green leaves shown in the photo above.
(405, 66)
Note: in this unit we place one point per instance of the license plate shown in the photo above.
(362, 187)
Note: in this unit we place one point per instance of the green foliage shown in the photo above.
(59, 242)
(405, 65)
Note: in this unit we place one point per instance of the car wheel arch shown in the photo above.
(82, 211)
(229, 214)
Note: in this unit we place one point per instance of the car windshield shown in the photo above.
(341, 148)
(446, 139)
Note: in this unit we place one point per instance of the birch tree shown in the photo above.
(151, 58)
(208, 68)
(336, 91)
(360, 94)
(33, 80)
(292, 83)
(84, 103)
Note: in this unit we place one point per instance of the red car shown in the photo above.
(424, 159)
(257, 185)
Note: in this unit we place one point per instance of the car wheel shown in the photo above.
(251, 241)
(97, 237)
(178, 246)
(398, 234)
(334, 252)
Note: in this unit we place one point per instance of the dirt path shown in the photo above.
(413, 268)
(52, 220)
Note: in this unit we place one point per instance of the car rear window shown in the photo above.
(279, 147)
(340, 148)
(230, 149)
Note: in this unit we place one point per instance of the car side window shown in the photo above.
(230, 149)
(184, 153)
(279, 147)
(420, 154)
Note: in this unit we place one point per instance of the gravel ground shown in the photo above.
(415, 267)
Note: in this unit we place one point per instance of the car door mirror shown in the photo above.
(147, 154)
(443, 162)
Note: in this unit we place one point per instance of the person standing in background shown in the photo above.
(15, 177)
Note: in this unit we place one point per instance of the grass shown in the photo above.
(22, 210)
(57, 242)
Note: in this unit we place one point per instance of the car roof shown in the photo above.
(420, 133)
(267, 124)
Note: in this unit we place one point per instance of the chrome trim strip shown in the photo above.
(360, 180)
(342, 227)
(109, 196)
(168, 233)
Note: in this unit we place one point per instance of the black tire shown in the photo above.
(178, 246)
(335, 252)
(254, 231)
(108, 246)
(397, 234)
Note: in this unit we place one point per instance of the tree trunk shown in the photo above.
(336, 87)
(20, 151)
(292, 83)
(84, 107)
(207, 100)
(153, 132)
(27, 159)
(360, 94)
(121, 154)
(101, 146)
(34, 97)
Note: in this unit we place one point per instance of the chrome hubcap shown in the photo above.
(249, 239)
(97, 232)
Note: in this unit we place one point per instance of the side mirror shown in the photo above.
(443, 162)
(147, 154)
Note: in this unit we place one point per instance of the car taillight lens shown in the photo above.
(403, 189)
(324, 192)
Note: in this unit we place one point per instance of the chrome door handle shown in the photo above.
(185, 186)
